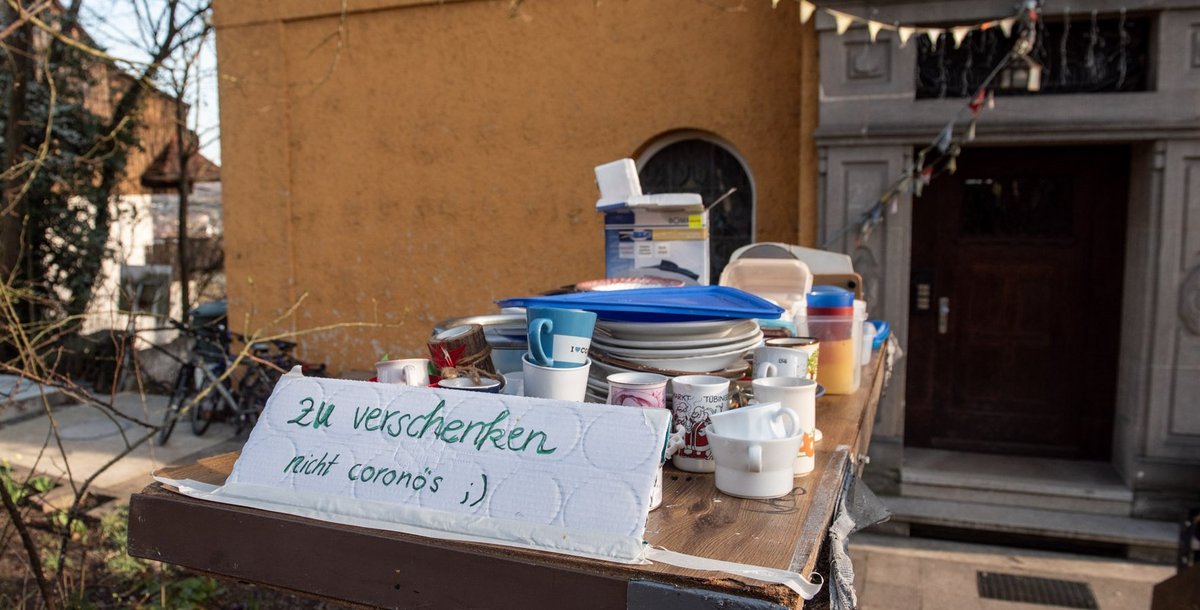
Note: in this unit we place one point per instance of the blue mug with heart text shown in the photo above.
(559, 338)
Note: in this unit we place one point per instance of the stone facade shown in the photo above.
(408, 161)
(870, 123)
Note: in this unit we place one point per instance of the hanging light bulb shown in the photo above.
(873, 28)
(806, 10)
(904, 33)
(960, 34)
(842, 20)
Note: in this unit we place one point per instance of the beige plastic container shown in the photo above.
(783, 281)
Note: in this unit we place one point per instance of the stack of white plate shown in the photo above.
(672, 348)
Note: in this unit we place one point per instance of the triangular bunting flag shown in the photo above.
(945, 138)
(977, 101)
(806, 10)
(1035, 76)
(960, 34)
(1006, 26)
(933, 34)
(904, 33)
(842, 20)
(873, 28)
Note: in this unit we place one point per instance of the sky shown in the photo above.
(115, 25)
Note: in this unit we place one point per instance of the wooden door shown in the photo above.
(1016, 302)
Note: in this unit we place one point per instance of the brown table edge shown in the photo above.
(829, 490)
(198, 548)
(804, 559)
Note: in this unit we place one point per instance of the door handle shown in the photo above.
(943, 315)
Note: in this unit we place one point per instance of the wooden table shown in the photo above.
(380, 568)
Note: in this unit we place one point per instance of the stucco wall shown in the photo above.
(411, 161)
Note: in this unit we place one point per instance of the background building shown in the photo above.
(406, 162)
(1045, 293)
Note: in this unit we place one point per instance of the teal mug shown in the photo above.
(559, 338)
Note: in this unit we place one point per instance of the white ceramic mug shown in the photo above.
(693, 399)
(557, 383)
(754, 468)
(799, 396)
(756, 422)
(787, 357)
(647, 390)
(410, 371)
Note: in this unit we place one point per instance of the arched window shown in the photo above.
(699, 162)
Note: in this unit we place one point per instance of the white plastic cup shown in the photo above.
(409, 371)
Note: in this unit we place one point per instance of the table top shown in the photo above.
(695, 519)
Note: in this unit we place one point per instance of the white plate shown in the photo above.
(700, 329)
(694, 364)
(627, 283)
(627, 353)
(739, 333)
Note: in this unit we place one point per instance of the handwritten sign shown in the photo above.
(530, 472)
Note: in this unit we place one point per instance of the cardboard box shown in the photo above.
(664, 235)
(670, 242)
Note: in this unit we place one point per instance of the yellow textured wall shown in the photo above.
(411, 161)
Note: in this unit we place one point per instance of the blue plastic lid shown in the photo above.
(830, 296)
(681, 304)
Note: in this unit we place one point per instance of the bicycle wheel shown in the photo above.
(252, 395)
(204, 412)
(179, 397)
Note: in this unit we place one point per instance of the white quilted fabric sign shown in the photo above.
(529, 472)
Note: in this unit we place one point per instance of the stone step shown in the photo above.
(1050, 484)
(21, 399)
(1142, 537)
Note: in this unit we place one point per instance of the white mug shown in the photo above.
(410, 371)
(557, 383)
(787, 357)
(756, 422)
(646, 390)
(799, 396)
(754, 468)
(694, 399)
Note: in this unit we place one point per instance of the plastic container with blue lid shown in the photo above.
(830, 296)
(831, 321)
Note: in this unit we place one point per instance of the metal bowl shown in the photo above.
(497, 327)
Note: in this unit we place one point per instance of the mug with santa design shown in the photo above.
(693, 399)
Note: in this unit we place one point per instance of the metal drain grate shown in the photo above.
(1033, 590)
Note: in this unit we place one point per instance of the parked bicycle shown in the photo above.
(267, 362)
(239, 401)
(201, 383)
